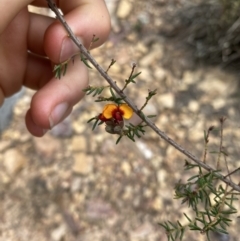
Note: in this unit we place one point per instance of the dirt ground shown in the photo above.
(75, 184)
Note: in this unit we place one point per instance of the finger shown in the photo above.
(9, 10)
(38, 72)
(13, 53)
(37, 27)
(54, 101)
(85, 18)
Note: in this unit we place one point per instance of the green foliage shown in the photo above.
(112, 126)
(85, 61)
(151, 93)
(94, 90)
(212, 205)
(131, 78)
(60, 70)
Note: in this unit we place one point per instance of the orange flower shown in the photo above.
(117, 112)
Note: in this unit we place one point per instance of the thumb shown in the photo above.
(8, 11)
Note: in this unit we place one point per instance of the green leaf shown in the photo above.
(151, 116)
(173, 225)
(135, 75)
(90, 91)
(65, 69)
(177, 234)
(193, 177)
(200, 220)
(84, 60)
(207, 234)
(95, 124)
(221, 230)
(222, 225)
(180, 225)
(187, 217)
(95, 93)
(91, 119)
(100, 90)
(162, 224)
(182, 233)
(228, 212)
(118, 140)
(112, 92)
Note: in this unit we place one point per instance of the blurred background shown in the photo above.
(75, 184)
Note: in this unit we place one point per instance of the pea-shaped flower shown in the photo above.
(117, 112)
(113, 115)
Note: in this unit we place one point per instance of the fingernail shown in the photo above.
(69, 48)
(58, 114)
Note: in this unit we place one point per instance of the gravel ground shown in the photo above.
(75, 184)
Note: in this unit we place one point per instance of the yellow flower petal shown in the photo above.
(108, 110)
(127, 111)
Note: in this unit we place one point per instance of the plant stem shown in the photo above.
(113, 84)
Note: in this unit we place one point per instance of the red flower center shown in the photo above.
(117, 114)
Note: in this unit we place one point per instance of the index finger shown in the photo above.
(85, 17)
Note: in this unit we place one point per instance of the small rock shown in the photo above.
(161, 177)
(4, 144)
(166, 100)
(25, 137)
(47, 146)
(58, 233)
(124, 9)
(142, 231)
(162, 120)
(14, 161)
(126, 168)
(157, 161)
(147, 192)
(193, 106)
(76, 184)
(98, 209)
(156, 53)
(157, 204)
(141, 48)
(160, 75)
(145, 74)
(143, 148)
(218, 103)
(189, 77)
(128, 193)
(83, 163)
(78, 126)
(215, 83)
(79, 143)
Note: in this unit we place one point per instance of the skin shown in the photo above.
(31, 44)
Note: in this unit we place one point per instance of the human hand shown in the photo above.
(26, 39)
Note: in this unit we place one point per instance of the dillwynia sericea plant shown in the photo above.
(212, 204)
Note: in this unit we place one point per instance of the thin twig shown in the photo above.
(206, 140)
(222, 119)
(84, 51)
(130, 76)
(229, 174)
